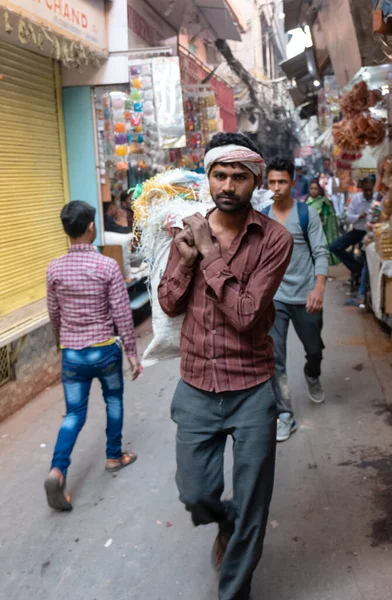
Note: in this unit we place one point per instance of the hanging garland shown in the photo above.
(70, 53)
(359, 128)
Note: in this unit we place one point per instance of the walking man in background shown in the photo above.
(301, 185)
(357, 215)
(301, 294)
(88, 306)
(223, 272)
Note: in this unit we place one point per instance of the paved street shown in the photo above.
(330, 528)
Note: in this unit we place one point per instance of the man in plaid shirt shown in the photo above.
(88, 306)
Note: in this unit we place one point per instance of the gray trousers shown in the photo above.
(204, 420)
(308, 327)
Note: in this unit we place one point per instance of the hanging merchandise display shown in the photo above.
(360, 126)
(113, 106)
(155, 90)
(140, 125)
(201, 123)
(168, 102)
(143, 136)
(194, 72)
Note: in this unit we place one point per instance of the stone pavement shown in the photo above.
(330, 529)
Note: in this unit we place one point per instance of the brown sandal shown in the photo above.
(221, 542)
(115, 464)
(55, 493)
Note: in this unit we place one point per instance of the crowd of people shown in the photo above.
(239, 276)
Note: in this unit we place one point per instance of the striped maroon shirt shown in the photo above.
(228, 304)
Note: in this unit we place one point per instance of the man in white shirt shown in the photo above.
(333, 193)
(357, 215)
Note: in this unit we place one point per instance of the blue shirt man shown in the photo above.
(300, 190)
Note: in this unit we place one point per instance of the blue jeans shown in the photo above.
(79, 368)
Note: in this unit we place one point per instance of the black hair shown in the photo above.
(224, 139)
(76, 216)
(315, 181)
(124, 196)
(370, 179)
(281, 164)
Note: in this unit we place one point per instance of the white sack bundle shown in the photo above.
(166, 330)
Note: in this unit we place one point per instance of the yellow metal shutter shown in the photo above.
(31, 176)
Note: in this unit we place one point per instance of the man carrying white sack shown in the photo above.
(223, 272)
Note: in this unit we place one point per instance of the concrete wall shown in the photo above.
(38, 367)
(249, 51)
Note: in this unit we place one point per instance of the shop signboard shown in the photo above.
(80, 20)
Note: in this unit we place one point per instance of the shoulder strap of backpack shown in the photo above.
(266, 210)
(303, 216)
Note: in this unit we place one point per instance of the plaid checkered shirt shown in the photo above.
(87, 300)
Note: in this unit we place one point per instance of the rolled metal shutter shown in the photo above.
(31, 176)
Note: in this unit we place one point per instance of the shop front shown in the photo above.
(32, 177)
(363, 148)
(34, 43)
(33, 171)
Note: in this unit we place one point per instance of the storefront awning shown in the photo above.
(172, 11)
(217, 13)
(220, 17)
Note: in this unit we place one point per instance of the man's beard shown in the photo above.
(235, 203)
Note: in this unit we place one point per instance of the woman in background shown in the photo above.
(326, 211)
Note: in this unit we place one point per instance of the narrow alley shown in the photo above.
(329, 533)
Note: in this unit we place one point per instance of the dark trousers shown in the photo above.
(204, 420)
(339, 248)
(308, 327)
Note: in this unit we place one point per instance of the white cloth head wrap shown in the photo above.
(234, 154)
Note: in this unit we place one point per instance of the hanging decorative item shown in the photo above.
(360, 98)
(368, 130)
(70, 53)
(40, 39)
(7, 23)
(23, 33)
(359, 126)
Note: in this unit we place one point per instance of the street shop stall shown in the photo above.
(201, 122)
(379, 263)
(139, 125)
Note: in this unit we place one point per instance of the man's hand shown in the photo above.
(136, 367)
(186, 247)
(201, 233)
(314, 301)
(363, 215)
